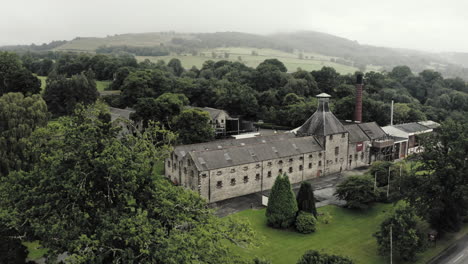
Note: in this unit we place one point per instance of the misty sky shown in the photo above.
(431, 25)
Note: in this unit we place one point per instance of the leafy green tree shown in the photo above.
(438, 187)
(282, 206)
(11, 249)
(306, 199)
(400, 72)
(327, 79)
(145, 83)
(16, 78)
(162, 109)
(193, 126)
(62, 94)
(99, 198)
(408, 234)
(357, 191)
(305, 222)
(19, 116)
(315, 257)
(176, 66)
(274, 62)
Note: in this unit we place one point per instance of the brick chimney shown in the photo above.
(358, 106)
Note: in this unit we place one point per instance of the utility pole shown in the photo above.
(391, 115)
(375, 181)
(391, 245)
(388, 182)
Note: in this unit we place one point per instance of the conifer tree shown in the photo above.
(306, 199)
(282, 205)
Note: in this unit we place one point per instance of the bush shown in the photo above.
(282, 205)
(305, 222)
(315, 257)
(357, 191)
(326, 218)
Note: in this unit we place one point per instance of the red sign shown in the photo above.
(359, 146)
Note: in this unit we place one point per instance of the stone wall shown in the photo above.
(336, 151)
(358, 158)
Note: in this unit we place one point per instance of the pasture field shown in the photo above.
(310, 61)
(348, 234)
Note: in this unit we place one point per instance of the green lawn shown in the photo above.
(102, 85)
(35, 251)
(43, 81)
(349, 234)
(290, 60)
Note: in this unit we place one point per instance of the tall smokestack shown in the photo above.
(358, 107)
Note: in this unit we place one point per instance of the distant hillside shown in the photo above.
(336, 50)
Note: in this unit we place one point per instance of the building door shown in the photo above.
(403, 149)
(318, 173)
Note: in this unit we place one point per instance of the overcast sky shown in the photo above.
(431, 25)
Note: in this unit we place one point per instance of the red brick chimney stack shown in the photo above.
(358, 107)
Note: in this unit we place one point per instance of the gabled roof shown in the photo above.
(322, 122)
(119, 112)
(245, 154)
(182, 150)
(372, 130)
(214, 113)
(356, 134)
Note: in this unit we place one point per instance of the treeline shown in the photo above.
(69, 64)
(34, 47)
(269, 93)
(138, 51)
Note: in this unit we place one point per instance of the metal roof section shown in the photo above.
(395, 132)
(372, 130)
(356, 134)
(430, 124)
(215, 159)
(322, 122)
(413, 128)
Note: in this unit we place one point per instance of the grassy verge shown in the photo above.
(35, 250)
(349, 234)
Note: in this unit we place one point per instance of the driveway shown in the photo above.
(324, 188)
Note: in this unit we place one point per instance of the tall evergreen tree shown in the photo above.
(282, 205)
(306, 199)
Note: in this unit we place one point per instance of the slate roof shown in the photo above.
(372, 130)
(356, 134)
(182, 150)
(412, 127)
(119, 112)
(322, 122)
(214, 113)
(251, 153)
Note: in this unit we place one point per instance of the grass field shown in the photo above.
(35, 250)
(290, 60)
(348, 234)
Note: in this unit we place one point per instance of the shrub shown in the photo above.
(306, 199)
(305, 222)
(357, 191)
(326, 218)
(315, 257)
(282, 205)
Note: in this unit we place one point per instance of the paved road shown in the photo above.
(457, 254)
(324, 188)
